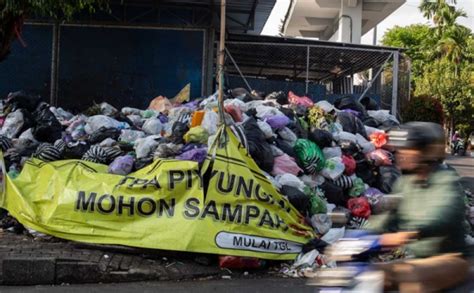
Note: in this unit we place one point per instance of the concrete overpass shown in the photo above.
(336, 20)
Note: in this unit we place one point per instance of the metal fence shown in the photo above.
(270, 65)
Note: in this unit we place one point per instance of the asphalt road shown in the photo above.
(228, 286)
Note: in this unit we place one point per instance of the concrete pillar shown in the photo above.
(350, 22)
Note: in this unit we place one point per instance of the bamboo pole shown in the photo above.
(221, 62)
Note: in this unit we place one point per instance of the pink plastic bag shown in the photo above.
(380, 157)
(285, 164)
(296, 100)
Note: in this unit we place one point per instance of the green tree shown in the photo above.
(416, 40)
(13, 13)
(453, 89)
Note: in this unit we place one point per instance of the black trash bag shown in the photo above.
(22, 100)
(333, 193)
(26, 148)
(47, 128)
(243, 94)
(315, 243)
(349, 102)
(5, 143)
(288, 113)
(259, 149)
(142, 163)
(297, 198)
(280, 97)
(102, 133)
(119, 116)
(370, 121)
(179, 129)
(349, 148)
(369, 103)
(388, 125)
(364, 170)
(75, 150)
(350, 123)
(321, 137)
(252, 113)
(285, 147)
(297, 129)
(126, 147)
(387, 177)
(28, 121)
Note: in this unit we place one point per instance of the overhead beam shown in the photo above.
(319, 21)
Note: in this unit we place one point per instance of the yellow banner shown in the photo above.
(226, 207)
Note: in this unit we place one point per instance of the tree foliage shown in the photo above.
(423, 108)
(442, 60)
(13, 13)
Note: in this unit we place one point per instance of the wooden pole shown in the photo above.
(221, 62)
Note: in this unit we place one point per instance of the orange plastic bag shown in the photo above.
(160, 104)
(379, 139)
(196, 120)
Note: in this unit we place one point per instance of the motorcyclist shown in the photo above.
(454, 139)
(429, 221)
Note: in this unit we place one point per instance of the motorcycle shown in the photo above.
(354, 271)
(458, 148)
(362, 267)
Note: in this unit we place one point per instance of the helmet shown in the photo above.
(425, 136)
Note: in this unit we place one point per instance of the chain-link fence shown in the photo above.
(320, 70)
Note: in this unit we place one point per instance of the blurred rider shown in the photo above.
(429, 220)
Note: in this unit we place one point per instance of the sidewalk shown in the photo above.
(25, 261)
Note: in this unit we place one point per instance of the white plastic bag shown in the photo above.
(370, 130)
(108, 142)
(382, 115)
(137, 120)
(107, 109)
(145, 146)
(290, 180)
(312, 180)
(237, 103)
(267, 111)
(321, 223)
(131, 136)
(333, 168)
(288, 135)
(13, 124)
(94, 123)
(27, 135)
(366, 145)
(305, 260)
(326, 106)
(152, 126)
(266, 129)
(131, 111)
(60, 114)
(210, 121)
(343, 135)
(332, 152)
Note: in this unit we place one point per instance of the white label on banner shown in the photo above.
(256, 243)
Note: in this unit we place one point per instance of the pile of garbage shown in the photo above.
(326, 159)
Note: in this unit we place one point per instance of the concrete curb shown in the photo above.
(24, 261)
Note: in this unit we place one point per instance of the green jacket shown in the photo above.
(434, 208)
